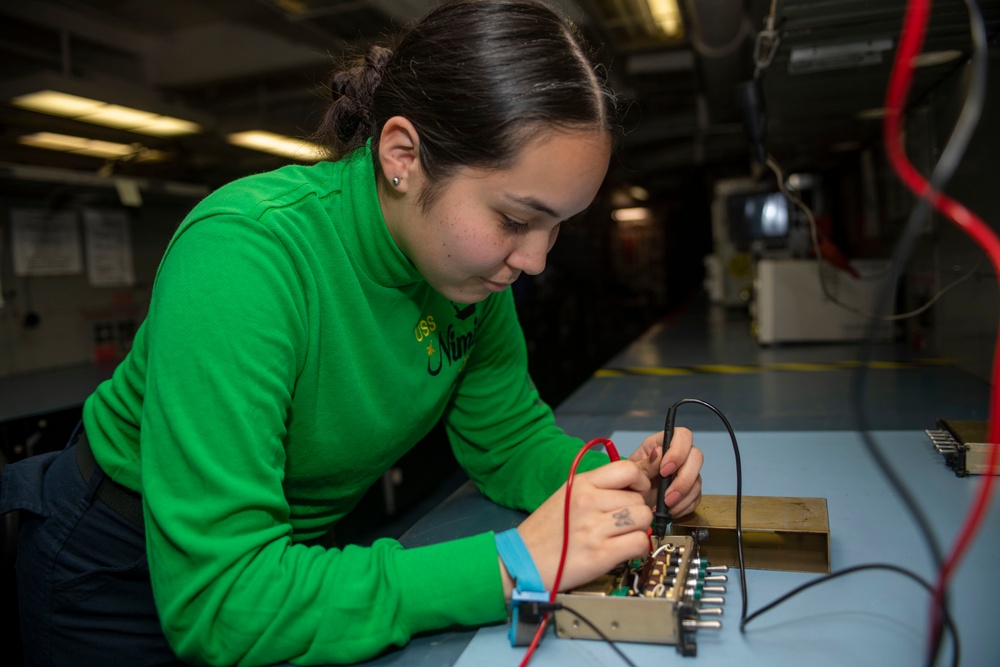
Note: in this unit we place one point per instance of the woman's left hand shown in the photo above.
(682, 459)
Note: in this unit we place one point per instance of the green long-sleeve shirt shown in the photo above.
(290, 355)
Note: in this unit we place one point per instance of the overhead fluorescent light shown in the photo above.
(638, 192)
(630, 214)
(167, 126)
(838, 56)
(124, 118)
(102, 113)
(278, 144)
(667, 17)
(57, 104)
(91, 147)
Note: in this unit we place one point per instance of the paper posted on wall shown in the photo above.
(45, 243)
(109, 248)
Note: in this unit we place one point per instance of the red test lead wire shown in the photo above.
(911, 40)
(613, 455)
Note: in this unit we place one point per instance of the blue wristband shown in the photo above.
(518, 561)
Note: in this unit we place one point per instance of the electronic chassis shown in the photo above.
(659, 599)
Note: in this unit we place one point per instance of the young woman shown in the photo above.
(307, 327)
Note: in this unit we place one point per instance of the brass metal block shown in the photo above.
(779, 533)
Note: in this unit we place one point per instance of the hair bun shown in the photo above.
(352, 91)
(377, 58)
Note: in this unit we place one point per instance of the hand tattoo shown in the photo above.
(623, 519)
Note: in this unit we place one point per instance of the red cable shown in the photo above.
(910, 42)
(534, 641)
(613, 455)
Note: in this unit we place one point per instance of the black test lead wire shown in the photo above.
(621, 654)
(661, 516)
(949, 623)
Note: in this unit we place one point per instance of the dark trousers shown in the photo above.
(83, 580)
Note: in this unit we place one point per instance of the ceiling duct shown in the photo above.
(720, 32)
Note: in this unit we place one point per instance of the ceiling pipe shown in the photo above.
(720, 32)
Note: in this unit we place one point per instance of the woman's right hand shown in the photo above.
(608, 522)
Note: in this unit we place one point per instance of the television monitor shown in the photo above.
(761, 216)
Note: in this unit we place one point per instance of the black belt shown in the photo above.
(121, 499)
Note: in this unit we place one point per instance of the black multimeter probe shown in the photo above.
(661, 517)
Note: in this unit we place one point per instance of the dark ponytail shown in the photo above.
(478, 79)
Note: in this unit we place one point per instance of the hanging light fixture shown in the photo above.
(91, 147)
(103, 113)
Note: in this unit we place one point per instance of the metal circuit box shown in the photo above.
(964, 446)
(657, 600)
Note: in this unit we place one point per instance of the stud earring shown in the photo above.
(395, 181)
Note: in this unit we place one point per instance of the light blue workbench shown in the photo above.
(871, 618)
